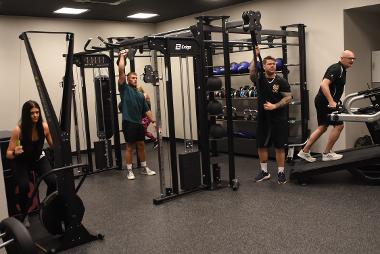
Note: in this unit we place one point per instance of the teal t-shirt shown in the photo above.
(133, 103)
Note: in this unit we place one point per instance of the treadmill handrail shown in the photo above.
(355, 117)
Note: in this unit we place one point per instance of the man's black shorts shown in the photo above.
(133, 132)
(271, 131)
(323, 112)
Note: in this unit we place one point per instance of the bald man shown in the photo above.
(326, 100)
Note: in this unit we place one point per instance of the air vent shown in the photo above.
(107, 2)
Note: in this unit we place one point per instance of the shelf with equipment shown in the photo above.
(241, 95)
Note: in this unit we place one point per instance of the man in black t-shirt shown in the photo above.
(272, 120)
(329, 94)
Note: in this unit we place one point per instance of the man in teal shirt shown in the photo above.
(134, 108)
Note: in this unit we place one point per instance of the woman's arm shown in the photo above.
(47, 134)
(14, 148)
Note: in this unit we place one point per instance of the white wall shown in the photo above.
(324, 35)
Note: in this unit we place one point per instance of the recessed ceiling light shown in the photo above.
(66, 10)
(142, 15)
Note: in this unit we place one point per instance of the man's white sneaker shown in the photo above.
(306, 156)
(130, 175)
(331, 156)
(148, 172)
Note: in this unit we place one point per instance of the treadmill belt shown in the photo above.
(351, 158)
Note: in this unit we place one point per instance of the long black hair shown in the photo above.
(26, 123)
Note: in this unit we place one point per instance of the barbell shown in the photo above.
(16, 238)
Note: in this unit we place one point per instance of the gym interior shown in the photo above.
(192, 60)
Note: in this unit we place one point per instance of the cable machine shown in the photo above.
(107, 120)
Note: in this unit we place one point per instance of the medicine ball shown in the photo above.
(217, 131)
(214, 83)
(279, 64)
(215, 71)
(234, 68)
(243, 67)
(245, 134)
(214, 107)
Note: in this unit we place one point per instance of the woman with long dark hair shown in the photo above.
(25, 152)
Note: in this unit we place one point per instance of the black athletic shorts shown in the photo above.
(133, 132)
(323, 112)
(271, 131)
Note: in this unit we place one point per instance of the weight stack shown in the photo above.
(102, 160)
(190, 170)
(104, 110)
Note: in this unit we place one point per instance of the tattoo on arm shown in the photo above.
(285, 100)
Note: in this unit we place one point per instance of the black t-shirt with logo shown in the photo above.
(336, 73)
(271, 90)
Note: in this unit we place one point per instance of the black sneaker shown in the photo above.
(281, 178)
(262, 176)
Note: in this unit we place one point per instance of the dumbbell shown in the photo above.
(247, 114)
(254, 113)
(252, 92)
(222, 93)
(236, 93)
(16, 238)
(234, 114)
(233, 91)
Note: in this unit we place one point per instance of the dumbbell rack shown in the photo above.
(298, 108)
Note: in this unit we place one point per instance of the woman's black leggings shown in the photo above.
(21, 169)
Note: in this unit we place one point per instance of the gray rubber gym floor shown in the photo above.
(333, 214)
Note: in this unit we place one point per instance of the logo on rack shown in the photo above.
(180, 46)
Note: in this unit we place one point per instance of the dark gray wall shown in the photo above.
(360, 35)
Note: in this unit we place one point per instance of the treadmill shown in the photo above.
(362, 162)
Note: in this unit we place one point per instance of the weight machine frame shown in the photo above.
(92, 60)
(175, 47)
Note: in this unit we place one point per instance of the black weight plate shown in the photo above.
(22, 243)
(54, 213)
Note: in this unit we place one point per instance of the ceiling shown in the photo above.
(116, 10)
